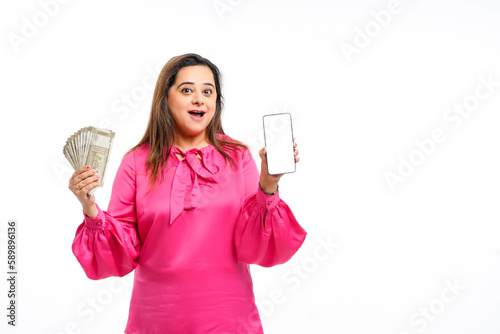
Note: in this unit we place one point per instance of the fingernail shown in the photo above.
(93, 171)
(98, 176)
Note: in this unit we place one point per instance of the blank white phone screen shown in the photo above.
(278, 138)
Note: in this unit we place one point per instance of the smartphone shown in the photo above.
(278, 138)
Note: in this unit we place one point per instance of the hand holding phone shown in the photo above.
(278, 138)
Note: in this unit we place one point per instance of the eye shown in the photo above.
(186, 90)
(207, 91)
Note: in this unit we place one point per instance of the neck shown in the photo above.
(186, 143)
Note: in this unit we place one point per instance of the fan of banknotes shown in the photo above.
(90, 146)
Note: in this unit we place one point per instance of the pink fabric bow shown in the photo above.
(186, 193)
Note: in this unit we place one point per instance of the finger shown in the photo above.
(87, 181)
(80, 184)
(297, 159)
(82, 176)
(81, 170)
(296, 152)
(262, 153)
(89, 187)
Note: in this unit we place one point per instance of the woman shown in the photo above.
(189, 212)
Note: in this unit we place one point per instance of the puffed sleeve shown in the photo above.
(109, 244)
(266, 232)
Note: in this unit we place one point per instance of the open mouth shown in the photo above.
(197, 113)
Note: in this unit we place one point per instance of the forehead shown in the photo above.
(197, 74)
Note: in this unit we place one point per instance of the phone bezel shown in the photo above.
(265, 141)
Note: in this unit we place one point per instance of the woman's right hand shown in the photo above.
(81, 182)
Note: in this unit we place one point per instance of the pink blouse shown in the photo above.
(190, 241)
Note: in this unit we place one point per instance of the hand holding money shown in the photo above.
(87, 150)
(81, 182)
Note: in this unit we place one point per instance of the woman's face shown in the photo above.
(191, 100)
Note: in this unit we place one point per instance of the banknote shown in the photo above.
(90, 146)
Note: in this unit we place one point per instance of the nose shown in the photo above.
(198, 98)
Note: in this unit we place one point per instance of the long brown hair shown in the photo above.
(160, 132)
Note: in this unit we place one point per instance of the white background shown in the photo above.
(355, 118)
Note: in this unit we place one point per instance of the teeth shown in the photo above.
(197, 113)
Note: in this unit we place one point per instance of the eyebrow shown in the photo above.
(192, 83)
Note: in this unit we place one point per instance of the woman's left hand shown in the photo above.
(270, 182)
